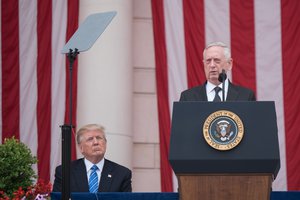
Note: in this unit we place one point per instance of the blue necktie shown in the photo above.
(93, 181)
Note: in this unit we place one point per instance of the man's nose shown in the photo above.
(212, 64)
(95, 140)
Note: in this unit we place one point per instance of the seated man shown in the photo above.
(94, 173)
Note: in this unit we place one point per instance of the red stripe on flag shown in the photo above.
(72, 25)
(162, 93)
(194, 41)
(10, 69)
(243, 43)
(44, 28)
(291, 61)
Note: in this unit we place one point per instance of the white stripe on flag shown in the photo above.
(177, 74)
(269, 70)
(28, 74)
(59, 27)
(217, 18)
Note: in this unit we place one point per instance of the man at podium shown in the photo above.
(217, 58)
(223, 150)
(94, 173)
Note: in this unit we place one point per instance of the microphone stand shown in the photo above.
(223, 87)
(66, 136)
(222, 78)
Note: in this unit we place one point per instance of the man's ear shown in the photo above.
(80, 148)
(229, 66)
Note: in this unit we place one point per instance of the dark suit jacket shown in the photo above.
(114, 178)
(235, 93)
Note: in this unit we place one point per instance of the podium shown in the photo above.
(240, 164)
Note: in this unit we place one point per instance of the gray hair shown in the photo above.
(227, 52)
(89, 127)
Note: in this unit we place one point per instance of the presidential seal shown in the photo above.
(223, 130)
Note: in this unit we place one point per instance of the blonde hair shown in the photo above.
(89, 127)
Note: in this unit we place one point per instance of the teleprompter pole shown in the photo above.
(67, 135)
(82, 40)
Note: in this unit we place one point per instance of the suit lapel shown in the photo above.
(232, 93)
(80, 177)
(106, 177)
(201, 93)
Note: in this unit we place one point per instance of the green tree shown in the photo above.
(16, 163)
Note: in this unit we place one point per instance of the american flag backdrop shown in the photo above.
(34, 92)
(264, 36)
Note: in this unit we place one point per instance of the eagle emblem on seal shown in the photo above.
(223, 130)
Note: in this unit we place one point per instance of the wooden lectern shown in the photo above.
(244, 172)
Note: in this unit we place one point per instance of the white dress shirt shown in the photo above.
(210, 90)
(89, 165)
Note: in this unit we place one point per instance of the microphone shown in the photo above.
(222, 77)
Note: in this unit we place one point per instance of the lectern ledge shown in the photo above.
(208, 169)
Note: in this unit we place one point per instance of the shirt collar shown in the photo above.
(210, 87)
(89, 164)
